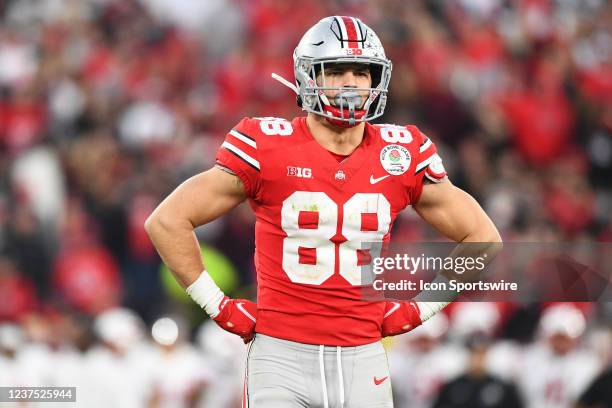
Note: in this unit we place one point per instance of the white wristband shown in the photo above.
(428, 309)
(205, 292)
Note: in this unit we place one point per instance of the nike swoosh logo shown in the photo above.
(379, 381)
(317, 44)
(240, 307)
(376, 180)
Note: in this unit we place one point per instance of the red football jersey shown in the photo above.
(313, 214)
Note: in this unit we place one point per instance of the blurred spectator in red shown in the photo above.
(539, 115)
(17, 293)
(569, 199)
(22, 119)
(592, 57)
(85, 274)
(88, 279)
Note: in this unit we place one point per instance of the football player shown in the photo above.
(421, 362)
(557, 369)
(320, 186)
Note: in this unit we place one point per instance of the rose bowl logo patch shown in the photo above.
(395, 159)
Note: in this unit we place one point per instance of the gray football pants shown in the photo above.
(286, 374)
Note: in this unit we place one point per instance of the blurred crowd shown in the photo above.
(107, 105)
(457, 359)
(462, 362)
(126, 366)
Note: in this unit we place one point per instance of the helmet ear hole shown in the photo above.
(317, 70)
(376, 75)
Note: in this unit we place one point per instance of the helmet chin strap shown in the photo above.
(344, 108)
(285, 82)
(351, 107)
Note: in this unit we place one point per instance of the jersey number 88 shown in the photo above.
(319, 237)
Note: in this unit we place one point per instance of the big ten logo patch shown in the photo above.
(302, 172)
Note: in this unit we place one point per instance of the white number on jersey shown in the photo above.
(395, 134)
(275, 126)
(317, 238)
(362, 203)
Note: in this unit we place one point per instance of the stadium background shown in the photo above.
(107, 105)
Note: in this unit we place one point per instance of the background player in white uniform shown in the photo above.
(225, 354)
(557, 370)
(320, 187)
(179, 373)
(117, 371)
(422, 362)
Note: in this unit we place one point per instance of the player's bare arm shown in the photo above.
(455, 214)
(458, 216)
(198, 201)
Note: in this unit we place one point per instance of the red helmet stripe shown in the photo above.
(351, 31)
(358, 28)
(359, 31)
(342, 29)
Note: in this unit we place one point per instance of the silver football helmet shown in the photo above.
(333, 40)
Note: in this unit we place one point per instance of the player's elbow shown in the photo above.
(159, 222)
(492, 236)
(488, 234)
(495, 237)
(494, 240)
(149, 224)
(486, 231)
(497, 242)
(152, 224)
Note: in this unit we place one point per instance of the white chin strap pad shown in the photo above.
(324, 99)
(285, 82)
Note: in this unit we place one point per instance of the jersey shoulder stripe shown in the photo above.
(242, 145)
(425, 145)
(252, 135)
(236, 151)
(244, 138)
(427, 149)
(239, 154)
(423, 164)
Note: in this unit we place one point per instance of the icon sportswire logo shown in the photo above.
(376, 180)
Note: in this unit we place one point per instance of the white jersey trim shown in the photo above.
(243, 138)
(425, 146)
(424, 163)
(227, 145)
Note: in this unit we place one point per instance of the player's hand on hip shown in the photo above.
(237, 316)
(400, 317)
